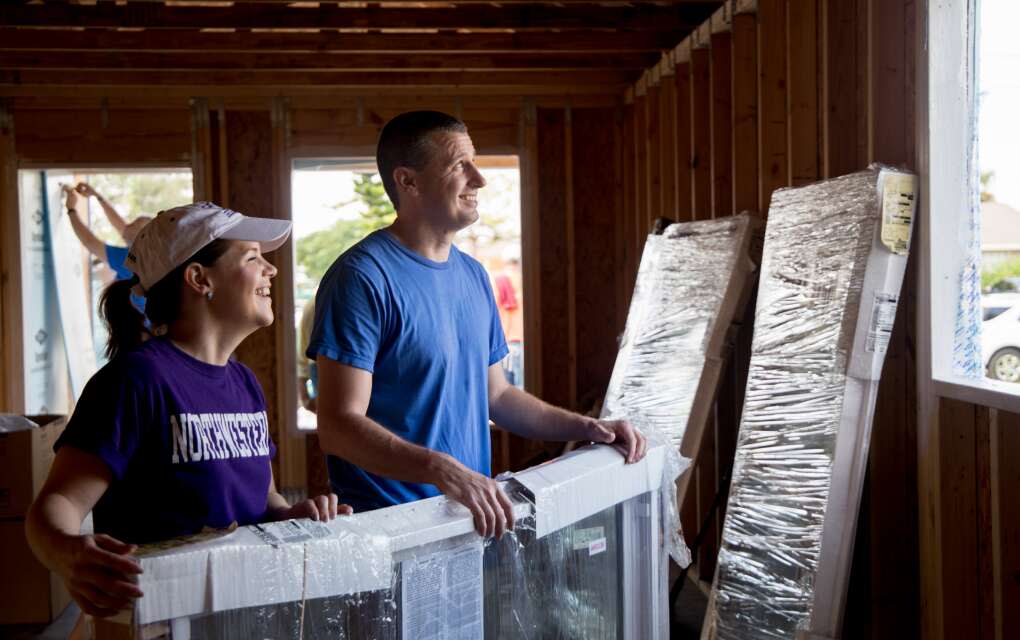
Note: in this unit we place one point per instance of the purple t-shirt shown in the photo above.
(187, 442)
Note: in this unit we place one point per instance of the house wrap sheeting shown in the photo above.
(833, 263)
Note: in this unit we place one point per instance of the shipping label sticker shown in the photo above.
(583, 538)
(898, 201)
(883, 314)
(596, 547)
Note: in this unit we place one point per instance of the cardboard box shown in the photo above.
(29, 592)
(25, 460)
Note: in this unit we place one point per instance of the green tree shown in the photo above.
(317, 251)
(379, 210)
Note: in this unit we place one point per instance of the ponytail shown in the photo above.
(126, 325)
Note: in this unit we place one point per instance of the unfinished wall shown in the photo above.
(780, 94)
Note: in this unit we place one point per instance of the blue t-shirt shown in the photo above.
(115, 257)
(187, 443)
(428, 332)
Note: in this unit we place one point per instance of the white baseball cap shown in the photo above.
(174, 235)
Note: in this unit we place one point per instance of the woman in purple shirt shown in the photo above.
(171, 436)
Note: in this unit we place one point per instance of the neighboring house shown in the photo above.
(1000, 234)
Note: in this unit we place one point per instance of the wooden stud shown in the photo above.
(571, 258)
(595, 265)
(667, 146)
(1006, 524)
(531, 263)
(684, 144)
(721, 119)
(628, 153)
(772, 124)
(292, 443)
(701, 133)
(844, 120)
(745, 112)
(653, 149)
(12, 394)
(803, 88)
(557, 372)
(641, 164)
(958, 421)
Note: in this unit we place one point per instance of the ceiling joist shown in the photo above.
(248, 15)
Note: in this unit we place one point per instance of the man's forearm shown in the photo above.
(521, 413)
(366, 444)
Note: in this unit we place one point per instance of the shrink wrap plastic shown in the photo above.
(833, 263)
(420, 571)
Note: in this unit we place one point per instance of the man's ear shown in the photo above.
(406, 180)
(196, 279)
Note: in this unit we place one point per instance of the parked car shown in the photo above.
(1000, 336)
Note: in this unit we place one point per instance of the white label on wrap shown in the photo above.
(883, 314)
(596, 547)
(583, 538)
(897, 211)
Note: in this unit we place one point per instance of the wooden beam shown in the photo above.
(557, 368)
(667, 114)
(653, 144)
(722, 123)
(684, 143)
(804, 132)
(180, 40)
(845, 92)
(745, 112)
(701, 133)
(607, 81)
(293, 62)
(641, 163)
(12, 379)
(531, 256)
(773, 167)
(674, 18)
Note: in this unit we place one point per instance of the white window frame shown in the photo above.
(947, 90)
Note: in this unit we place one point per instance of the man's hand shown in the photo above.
(621, 434)
(320, 508)
(492, 510)
(101, 574)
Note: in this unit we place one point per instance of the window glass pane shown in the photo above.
(998, 186)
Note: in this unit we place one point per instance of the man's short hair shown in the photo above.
(404, 142)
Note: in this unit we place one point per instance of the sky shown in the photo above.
(999, 83)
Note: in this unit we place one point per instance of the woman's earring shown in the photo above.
(208, 294)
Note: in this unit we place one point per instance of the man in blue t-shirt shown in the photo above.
(112, 255)
(408, 341)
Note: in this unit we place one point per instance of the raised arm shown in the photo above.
(529, 417)
(73, 203)
(115, 218)
(97, 569)
(346, 431)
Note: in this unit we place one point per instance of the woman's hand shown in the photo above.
(86, 190)
(72, 197)
(101, 574)
(321, 508)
